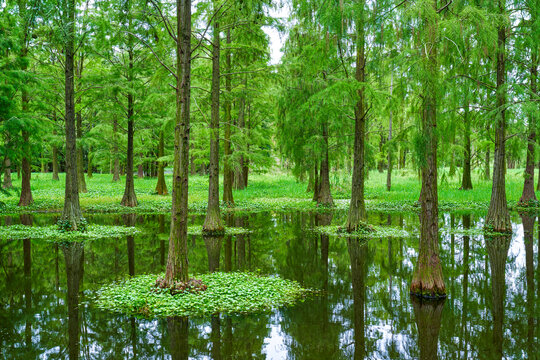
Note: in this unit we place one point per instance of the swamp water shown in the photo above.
(363, 311)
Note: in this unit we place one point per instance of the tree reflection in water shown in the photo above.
(73, 256)
(497, 249)
(428, 314)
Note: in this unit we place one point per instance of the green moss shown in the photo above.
(228, 293)
(52, 233)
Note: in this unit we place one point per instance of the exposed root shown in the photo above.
(192, 286)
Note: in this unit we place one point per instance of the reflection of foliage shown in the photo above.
(52, 233)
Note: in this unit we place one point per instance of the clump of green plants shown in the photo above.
(198, 230)
(65, 225)
(365, 231)
(53, 233)
(227, 293)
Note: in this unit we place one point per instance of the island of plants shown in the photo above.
(212, 293)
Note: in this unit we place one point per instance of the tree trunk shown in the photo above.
(498, 218)
(26, 192)
(487, 171)
(427, 278)
(227, 171)
(357, 206)
(466, 182)
(80, 161)
(325, 196)
(89, 171)
(316, 186)
(7, 184)
(116, 168)
(240, 177)
(140, 167)
(55, 163)
(528, 194)
(161, 187)
(428, 316)
(390, 147)
(72, 210)
(213, 222)
(177, 260)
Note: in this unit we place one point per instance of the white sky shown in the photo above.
(281, 11)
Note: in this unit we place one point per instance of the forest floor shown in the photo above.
(265, 192)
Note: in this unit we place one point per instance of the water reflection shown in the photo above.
(497, 249)
(364, 311)
(427, 315)
(73, 257)
(358, 253)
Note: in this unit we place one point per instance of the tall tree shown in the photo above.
(177, 261)
(357, 207)
(498, 218)
(428, 278)
(213, 221)
(72, 210)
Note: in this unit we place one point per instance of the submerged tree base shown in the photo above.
(228, 293)
(192, 286)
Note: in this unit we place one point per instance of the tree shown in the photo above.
(357, 206)
(427, 278)
(71, 214)
(498, 218)
(213, 222)
(177, 264)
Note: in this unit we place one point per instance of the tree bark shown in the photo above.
(80, 161)
(498, 218)
(389, 147)
(213, 222)
(466, 182)
(26, 192)
(161, 187)
(528, 194)
(427, 278)
(90, 171)
(325, 196)
(227, 171)
(177, 260)
(140, 167)
(55, 163)
(116, 168)
(72, 210)
(357, 206)
(240, 173)
(7, 183)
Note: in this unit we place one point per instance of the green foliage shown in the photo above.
(367, 232)
(227, 293)
(53, 233)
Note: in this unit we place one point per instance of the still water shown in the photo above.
(363, 312)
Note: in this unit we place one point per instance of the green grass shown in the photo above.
(265, 192)
(227, 293)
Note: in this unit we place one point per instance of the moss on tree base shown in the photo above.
(227, 293)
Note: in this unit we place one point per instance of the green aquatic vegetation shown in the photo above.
(197, 230)
(368, 231)
(227, 293)
(53, 233)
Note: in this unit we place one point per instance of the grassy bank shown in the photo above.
(265, 192)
